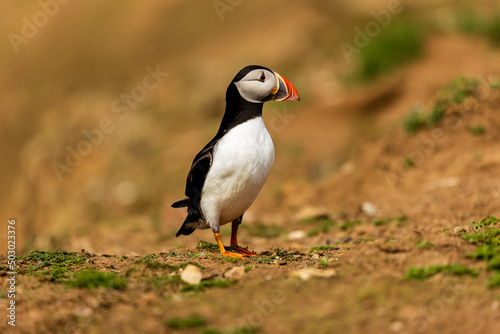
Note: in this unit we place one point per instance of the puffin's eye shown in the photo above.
(262, 77)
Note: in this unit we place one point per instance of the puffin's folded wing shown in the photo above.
(198, 173)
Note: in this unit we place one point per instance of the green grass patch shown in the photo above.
(477, 130)
(494, 282)
(241, 330)
(54, 264)
(150, 263)
(487, 241)
(401, 220)
(263, 259)
(490, 237)
(323, 262)
(308, 220)
(323, 226)
(424, 244)
(381, 222)
(494, 263)
(349, 224)
(364, 240)
(191, 321)
(495, 85)
(148, 258)
(282, 253)
(205, 245)
(458, 90)
(437, 112)
(491, 220)
(493, 30)
(410, 162)
(248, 268)
(157, 265)
(453, 94)
(321, 248)
(230, 259)
(397, 44)
(415, 120)
(421, 273)
(484, 252)
(470, 23)
(91, 279)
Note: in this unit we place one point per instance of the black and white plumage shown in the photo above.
(229, 172)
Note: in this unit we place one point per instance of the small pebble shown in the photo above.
(191, 274)
(295, 235)
(235, 273)
(369, 208)
(84, 312)
(315, 256)
(308, 273)
(396, 326)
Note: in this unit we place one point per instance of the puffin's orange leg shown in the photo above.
(234, 241)
(224, 251)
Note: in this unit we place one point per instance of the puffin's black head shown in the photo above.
(258, 84)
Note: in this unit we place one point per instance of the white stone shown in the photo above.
(295, 235)
(369, 208)
(191, 274)
(235, 273)
(308, 273)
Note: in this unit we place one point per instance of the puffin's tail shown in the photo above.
(187, 227)
(182, 203)
(192, 220)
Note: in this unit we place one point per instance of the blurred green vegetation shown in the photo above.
(449, 96)
(396, 45)
(91, 279)
(476, 24)
(420, 273)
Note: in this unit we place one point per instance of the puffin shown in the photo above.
(228, 173)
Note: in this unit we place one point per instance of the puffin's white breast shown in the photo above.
(242, 160)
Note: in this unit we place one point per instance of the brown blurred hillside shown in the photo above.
(379, 210)
(67, 83)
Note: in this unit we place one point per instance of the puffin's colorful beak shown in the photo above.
(286, 91)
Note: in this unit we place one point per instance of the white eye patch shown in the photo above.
(256, 85)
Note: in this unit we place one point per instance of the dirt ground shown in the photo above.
(353, 200)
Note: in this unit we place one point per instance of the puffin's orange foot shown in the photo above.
(242, 251)
(235, 255)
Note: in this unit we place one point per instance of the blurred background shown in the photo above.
(105, 104)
